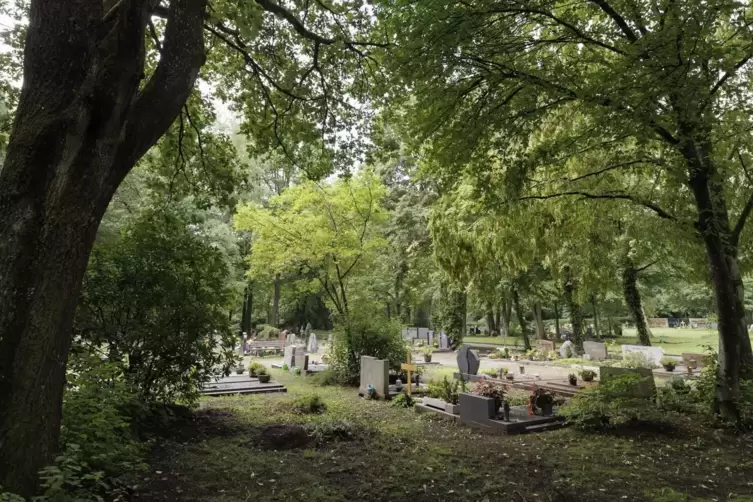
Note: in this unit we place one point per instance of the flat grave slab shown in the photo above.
(240, 384)
(477, 412)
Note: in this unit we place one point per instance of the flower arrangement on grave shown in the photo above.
(427, 352)
(588, 375)
(506, 353)
(239, 369)
(494, 390)
(542, 400)
(495, 355)
(552, 355)
(531, 354)
(573, 379)
(668, 363)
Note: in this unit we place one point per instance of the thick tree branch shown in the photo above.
(617, 18)
(743, 218)
(167, 90)
(729, 74)
(609, 196)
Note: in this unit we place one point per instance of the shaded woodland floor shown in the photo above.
(255, 448)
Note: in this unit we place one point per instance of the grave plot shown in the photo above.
(240, 384)
(481, 413)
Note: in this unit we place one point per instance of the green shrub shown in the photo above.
(325, 378)
(490, 372)
(254, 368)
(609, 405)
(311, 404)
(328, 431)
(402, 400)
(297, 371)
(668, 363)
(365, 335)
(446, 390)
(156, 297)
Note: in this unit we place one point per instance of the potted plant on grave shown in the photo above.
(253, 369)
(494, 390)
(531, 354)
(506, 353)
(239, 369)
(573, 379)
(427, 352)
(668, 363)
(262, 375)
(543, 400)
(588, 375)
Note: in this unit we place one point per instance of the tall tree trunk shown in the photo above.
(490, 322)
(506, 312)
(569, 289)
(498, 319)
(597, 330)
(274, 319)
(248, 308)
(82, 123)
(521, 319)
(633, 301)
(539, 316)
(720, 240)
(557, 321)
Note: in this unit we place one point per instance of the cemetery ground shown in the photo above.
(674, 341)
(244, 448)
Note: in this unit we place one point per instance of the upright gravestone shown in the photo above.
(597, 350)
(567, 349)
(374, 372)
(468, 361)
(545, 345)
(282, 337)
(653, 354)
(313, 346)
(290, 356)
(301, 360)
(430, 338)
(444, 341)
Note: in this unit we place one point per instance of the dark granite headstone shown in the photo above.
(478, 409)
(468, 361)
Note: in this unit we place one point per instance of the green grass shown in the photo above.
(673, 341)
(399, 455)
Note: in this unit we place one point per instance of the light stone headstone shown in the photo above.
(300, 358)
(653, 354)
(313, 346)
(374, 372)
(468, 361)
(430, 336)
(423, 333)
(444, 341)
(563, 350)
(597, 350)
(290, 356)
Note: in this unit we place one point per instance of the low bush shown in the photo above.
(610, 404)
(402, 400)
(327, 431)
(364, 334)
(668, 363)
(309, 405)
(254, 368)
(446, 390)
(325, 378)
